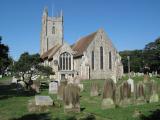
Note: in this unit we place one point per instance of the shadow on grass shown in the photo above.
(41, 116)
(8, 91)
(155, 115)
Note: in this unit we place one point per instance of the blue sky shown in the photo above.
(130, 24)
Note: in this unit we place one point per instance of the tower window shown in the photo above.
(92, 59)
(110, 60)
(53, 30)
(101, 57)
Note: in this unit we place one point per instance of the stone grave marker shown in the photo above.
(53, 87)
(154, 97)
(108, 94)
(125, 91)
(71, 98)
(131, 82)
(43, 100)
(140, 93)
(94, 89)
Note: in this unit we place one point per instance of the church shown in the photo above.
(91, 57)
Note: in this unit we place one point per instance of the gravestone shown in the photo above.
(71, 98)
(108, 94)
(36, 86)
(14, 79)
(94, 89)
(131, 82)
(61, 88)
(81, 87)
(140, 93)
(125, 91)
(43, 100)
(53, 88)
(117, 95)
(154, 97)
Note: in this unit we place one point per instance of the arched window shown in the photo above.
(110, 60)
(101, 57)
(65, 61)
(92, 59)
(53, 30)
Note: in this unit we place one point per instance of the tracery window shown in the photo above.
(65, 61)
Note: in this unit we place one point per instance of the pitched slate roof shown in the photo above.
(82, 44)
(49, 54)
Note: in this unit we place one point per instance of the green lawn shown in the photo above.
(14, 105)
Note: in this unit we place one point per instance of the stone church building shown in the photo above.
(91, 57)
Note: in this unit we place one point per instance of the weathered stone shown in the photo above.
(14, 79)
(140, 95)
(43, 100)
(108, 94)
(53, 88)
(71, 98)
(125, 91)
(81, 87)
(94, 89)
(154, 98)
(131, 82)
(61, 89)
(107, 103)
(36, 86)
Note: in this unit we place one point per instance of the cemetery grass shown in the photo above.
(13, 105)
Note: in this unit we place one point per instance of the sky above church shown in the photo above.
(130, 24)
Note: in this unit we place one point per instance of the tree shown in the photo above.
(5, 61)
(150, 56)
(27, 62)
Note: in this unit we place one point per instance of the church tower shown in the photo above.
(52, 31)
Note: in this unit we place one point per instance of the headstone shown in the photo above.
(36, 86)
(81, 87)
(14, 79)
(150, 75)
(61, 89)
(0, 76)
(43, 100)
(154, 97)
(131, 82)
(108, 94)
(125, 91)
(94, 89)
(139, 94)
(53, 88)
(71, 98)
(114, 78)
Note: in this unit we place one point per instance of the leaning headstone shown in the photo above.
(125, 91)
(43, 100)
(94, 89)
(108, 94)
(71, 98)
(131, 82)
(139, 93)
(53, 87)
